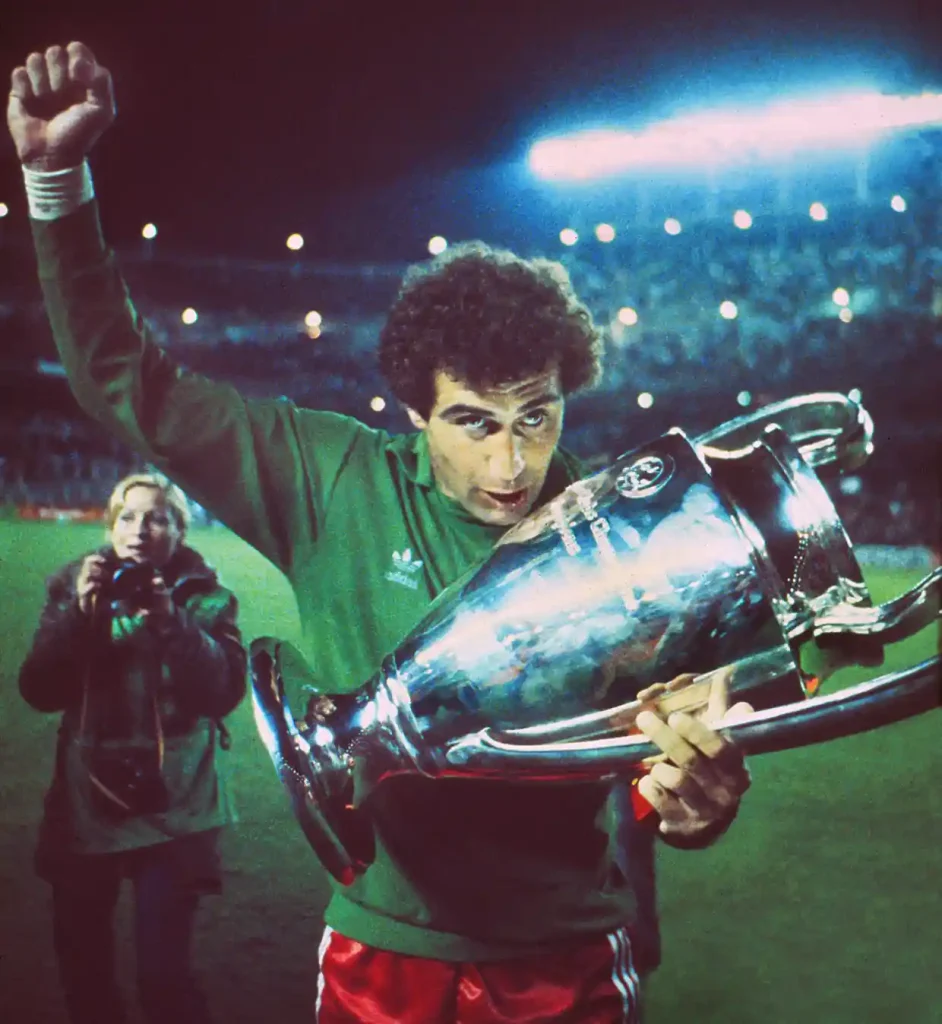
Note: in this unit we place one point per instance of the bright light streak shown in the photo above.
(850, 120)
(729, 310)
(377, 403)
(898, 203)
(4, 209)
(744, 398)
(189, 315)
(672, 226)
(627, 316)
(294, 242)
(841, 297)
(818, 211)
(313, 319)
(605, 233)
(854, 394)
(437, 245)
(149, 231)
(645, 399)
(568, 236)
(846, 315)
(742, 219)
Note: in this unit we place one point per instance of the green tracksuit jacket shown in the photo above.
(464, 869)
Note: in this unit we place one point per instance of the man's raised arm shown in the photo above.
(261, 467)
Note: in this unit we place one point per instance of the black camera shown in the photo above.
(127, 783)
(131, 585)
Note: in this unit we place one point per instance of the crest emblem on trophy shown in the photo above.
(643, 476)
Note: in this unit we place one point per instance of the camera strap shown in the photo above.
(83, 715)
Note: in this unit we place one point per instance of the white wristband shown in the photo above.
(54, 194)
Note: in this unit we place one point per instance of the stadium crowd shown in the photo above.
(701, 325)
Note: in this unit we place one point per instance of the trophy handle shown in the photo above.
(828, 429)
(891, 621)
(890, 698)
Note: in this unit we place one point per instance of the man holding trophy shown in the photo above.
(481, 900)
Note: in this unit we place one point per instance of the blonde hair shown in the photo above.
(173, 497)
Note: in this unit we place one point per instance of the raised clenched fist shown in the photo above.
(60, 103)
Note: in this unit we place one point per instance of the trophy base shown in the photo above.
(313, 767)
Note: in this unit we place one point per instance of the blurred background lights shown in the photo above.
(854, 394)
(841, 297)
(672, 226)
(818, 211)
(898, 203)
(849, 120)
(605, 233)
(437, 245)
(645, 399)
(149, 231)
(377, 404)
(627, 316)
(742, 219)
(744, 398)
(846, 315)
(295, 242)
(568, 236)
(4, 209)
(189, 315)
(729, 310)
(313, 319)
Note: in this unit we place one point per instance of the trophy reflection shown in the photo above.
(721, 554)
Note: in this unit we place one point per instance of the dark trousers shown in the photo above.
(83, 902)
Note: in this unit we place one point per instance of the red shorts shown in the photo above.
(593, 983)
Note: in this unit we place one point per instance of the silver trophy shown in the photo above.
(722, 554)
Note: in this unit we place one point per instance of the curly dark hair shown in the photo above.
(486, 317)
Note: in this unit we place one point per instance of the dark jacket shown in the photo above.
(157, 696)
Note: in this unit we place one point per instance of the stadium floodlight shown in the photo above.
(627, 316)
(605, 233)
(4, 209)
(818, 212)
(437, 245)
(313, 319)
(568, 236)
(742, 219)
(898, 203)
(849, 120)
(149, 231)
(377, 403)
(295, 242)
(189, 315)
(744, 398)
(729, 310)
(672, 226)
(645, 399)
(846, 315)
(841, 297)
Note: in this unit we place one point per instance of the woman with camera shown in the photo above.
(138, 646)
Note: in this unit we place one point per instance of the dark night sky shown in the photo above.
(242, 121)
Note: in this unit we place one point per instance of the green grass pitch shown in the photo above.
(823, 903)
